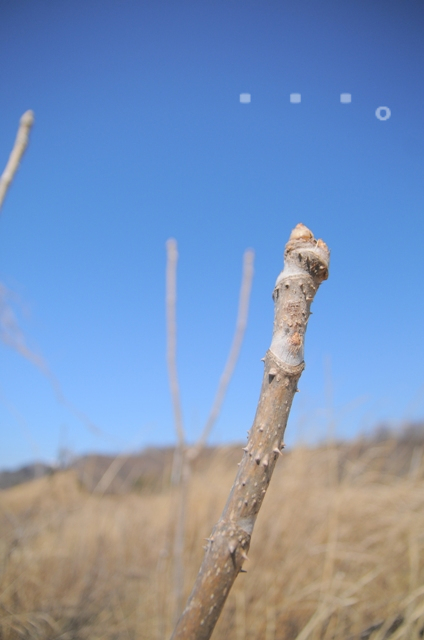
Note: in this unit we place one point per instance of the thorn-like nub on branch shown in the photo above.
(265, 462)
(272, 374)
(232, 547)
(258, 459)
(277, 450)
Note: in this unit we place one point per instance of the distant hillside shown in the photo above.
(151, 469)
(337, 552)
(148, 471)
(24, 474)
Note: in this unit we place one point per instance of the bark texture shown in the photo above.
(306, 263)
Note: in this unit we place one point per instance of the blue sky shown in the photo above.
(140, 136)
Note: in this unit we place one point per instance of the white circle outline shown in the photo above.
(379, 116)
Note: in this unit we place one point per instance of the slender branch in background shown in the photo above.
(305, 267)
(15, 157)
(12, 335)
(243, 312)
(20, 420)
(180, 535)
(171, 300)
(179, 471)
(10, 332)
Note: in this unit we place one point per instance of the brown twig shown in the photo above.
(183, 457)
(305, 267)
(178, 466)
(21, 142)
(171, 300)
(243, 312)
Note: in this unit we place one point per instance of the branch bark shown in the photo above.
(21, 142)
(306, 263)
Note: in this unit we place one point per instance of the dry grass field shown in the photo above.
(337, 552)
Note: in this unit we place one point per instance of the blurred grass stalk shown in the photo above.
(185, 456)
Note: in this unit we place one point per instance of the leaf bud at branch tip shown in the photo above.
(27, 120)
(301, 232)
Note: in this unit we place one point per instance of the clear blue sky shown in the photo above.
(140, 136)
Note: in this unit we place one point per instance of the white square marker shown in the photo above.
(245, 98)
(345, 98)
(295, 98)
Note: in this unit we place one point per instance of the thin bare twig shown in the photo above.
(12, 335)
(178, 476)
(181, 471)
(171, 300)
(243, 312)
(21, 142)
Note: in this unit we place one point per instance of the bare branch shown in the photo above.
(15, 157)
(179, 471)
(305, 267)
(171, 300)
(243, 311)
(12, 335)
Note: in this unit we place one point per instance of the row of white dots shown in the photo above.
(382, 113)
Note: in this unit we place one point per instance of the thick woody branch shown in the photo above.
(15, 157)
(306, 263)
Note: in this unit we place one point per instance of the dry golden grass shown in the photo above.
(338, 547)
